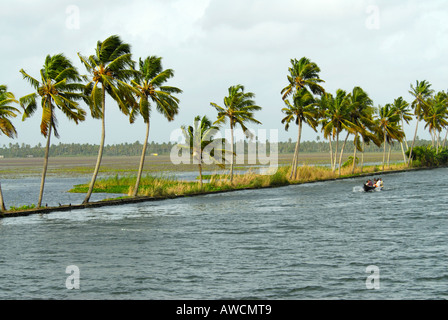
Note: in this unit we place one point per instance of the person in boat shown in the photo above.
(369, 183)
(379, 183)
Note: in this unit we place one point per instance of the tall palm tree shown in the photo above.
(302, 110)
(110, 69)
(323, 104)
(436, 117)
(421, 93)
(239, 108)
(370, 132)
(199, 138)
(337, 119)
(303, 73)
(59, 87)
(389, 122)
(361, 115)
(6, 127)
(402, 108)
(149, 83)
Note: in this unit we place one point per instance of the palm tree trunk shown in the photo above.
(402, 151)
(294, 160)
(405, 140)
(446, 136)
(388, 156)
(331, 151)
(432, 138)
(293, 164)
(336, 152)
(438, 139)
(413, 143)
(362, 155)
(2, 202)
(354, 153)
(342, 152)
(297, 149)
(384, 152)
(232, 151)
(200, 175)
(100, 151)
(142, 161)
(44, 170)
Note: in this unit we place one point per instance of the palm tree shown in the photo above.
(110, 69)
(6, 127)
(302, 110)
(149, 83)
(303, 73)
(361, 115)
(402, 108)
(421, 93)
(337, 119)
(389, 122)
(59, 87)
(436, 117)
(239, 109)
(323, 104)
(198, 139)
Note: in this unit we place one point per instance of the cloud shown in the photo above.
(213, 44)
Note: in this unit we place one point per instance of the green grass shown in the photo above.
(24, 207)
(166, 186)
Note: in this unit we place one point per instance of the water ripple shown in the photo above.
(299, 242)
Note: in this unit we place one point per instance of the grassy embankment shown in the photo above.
(118, 174)
(161, 187)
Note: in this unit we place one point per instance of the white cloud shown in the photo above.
(213, 44)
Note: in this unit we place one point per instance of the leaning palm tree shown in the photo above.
(149, 83)
(203, 147)
(59, 87)
(6, 127)
(302, 110)
(389, 122)
(402, 108)
(337, 119)
(323, 104)
(421, 93)
(239, 109)
(361, 115)
(110, 68)
(303, 74)
(436, 117)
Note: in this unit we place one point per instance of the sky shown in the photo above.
(381, 46)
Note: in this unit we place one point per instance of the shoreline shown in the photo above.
(139, 199)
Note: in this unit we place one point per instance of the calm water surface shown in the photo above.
(312, 241)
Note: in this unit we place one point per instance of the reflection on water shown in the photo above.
(311, 241)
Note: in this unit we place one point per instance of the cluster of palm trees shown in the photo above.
(112, 72)
(136, 88)
(353, 113)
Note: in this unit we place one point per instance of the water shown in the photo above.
(310, 241)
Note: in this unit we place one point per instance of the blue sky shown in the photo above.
(382, 46)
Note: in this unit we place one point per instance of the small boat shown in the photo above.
(369, 188)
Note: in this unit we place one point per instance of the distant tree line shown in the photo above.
(16, 150)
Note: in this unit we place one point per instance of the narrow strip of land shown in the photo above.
(131, 200)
